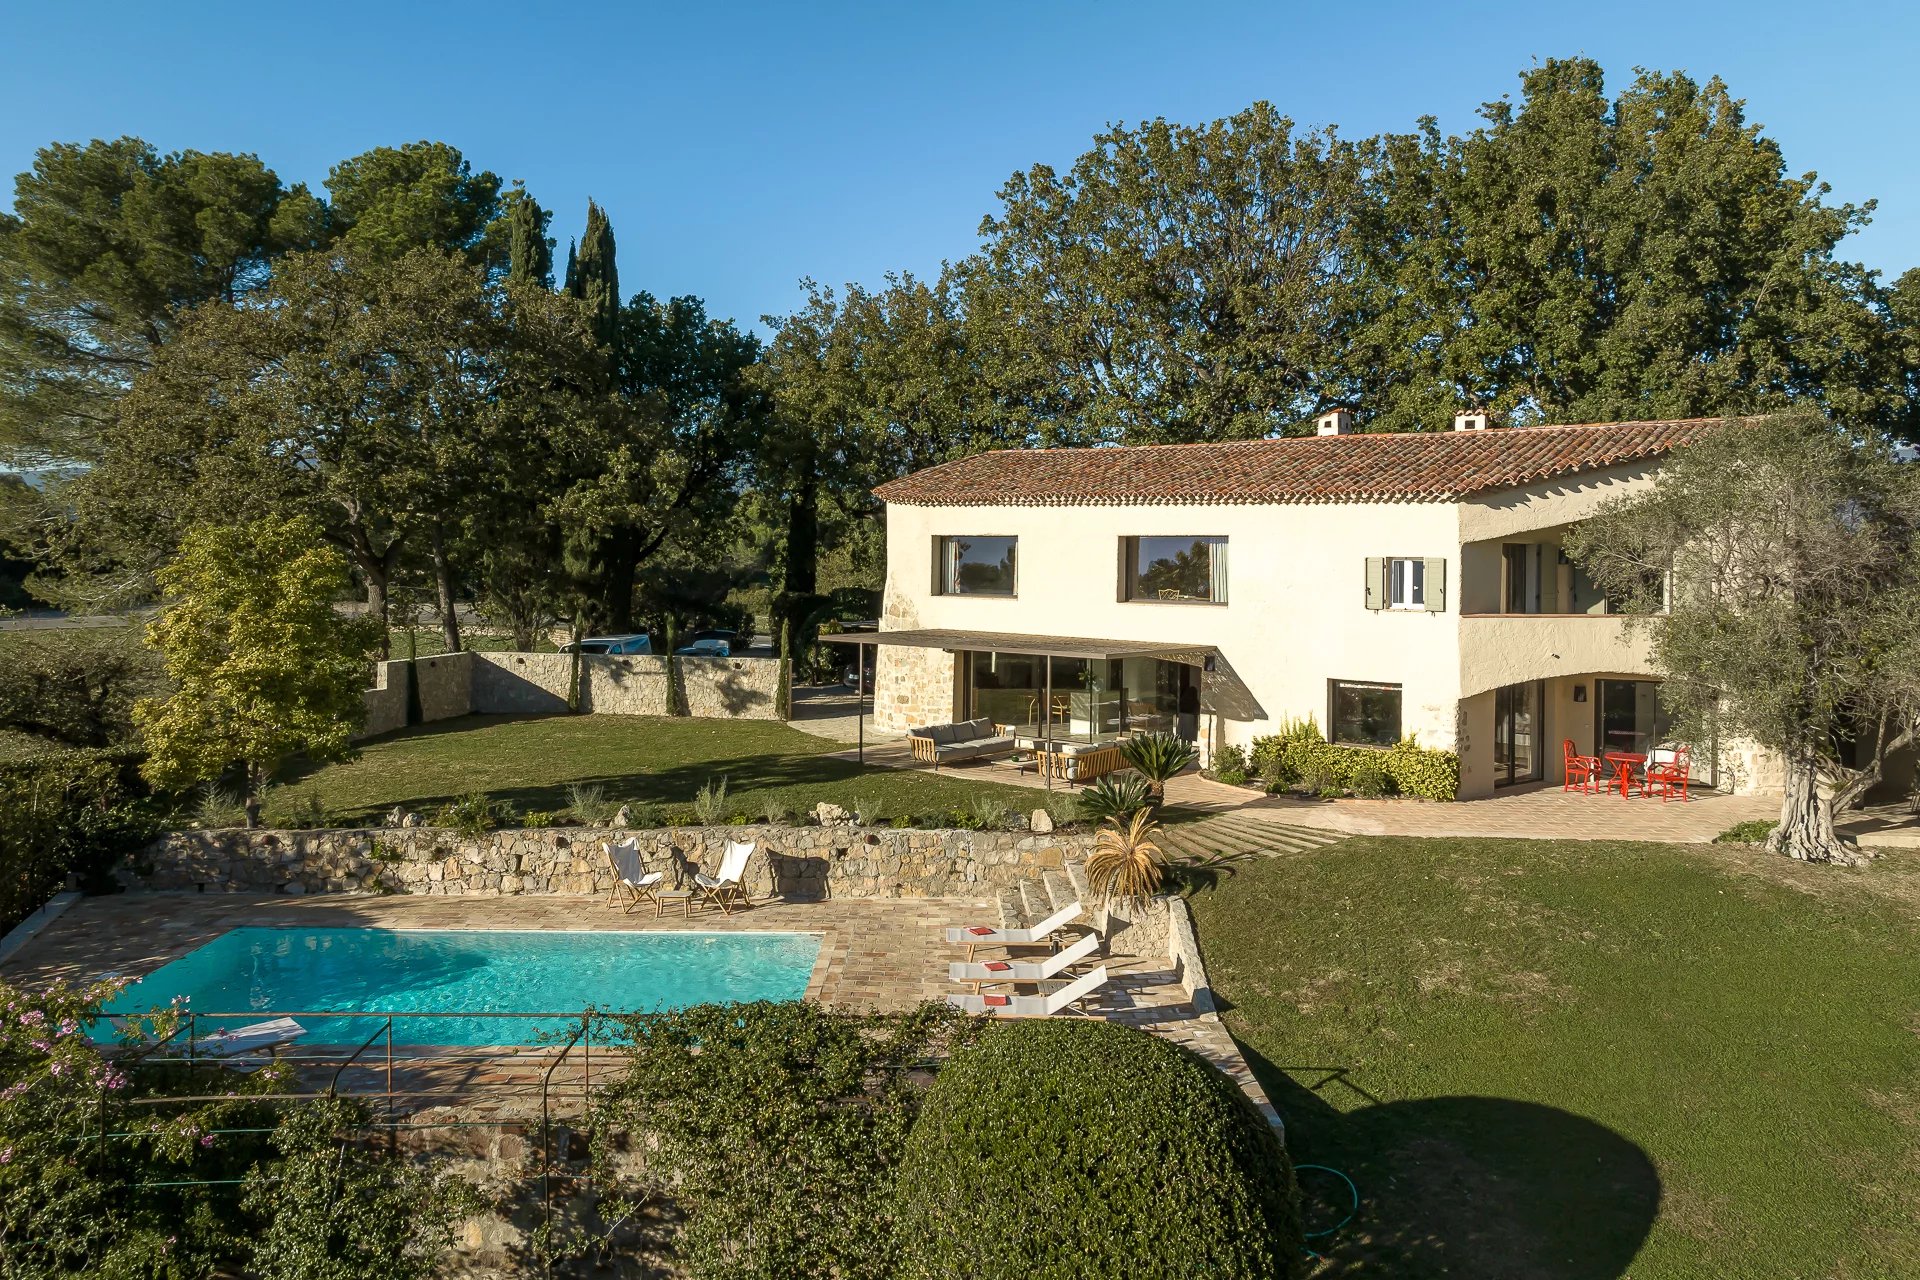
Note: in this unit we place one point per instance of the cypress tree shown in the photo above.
(529, 252)
(593, 278)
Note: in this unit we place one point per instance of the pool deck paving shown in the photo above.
(884, 954)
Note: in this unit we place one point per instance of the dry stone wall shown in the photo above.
(536, 683)
(800, 863)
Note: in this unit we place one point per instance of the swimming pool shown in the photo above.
(467, 971)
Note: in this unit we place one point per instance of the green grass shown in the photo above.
(1588, 1061)
(529, 762)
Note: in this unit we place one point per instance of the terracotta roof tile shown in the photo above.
(1440, 466)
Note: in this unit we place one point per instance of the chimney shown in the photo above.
(1472, 420)
(1334, 422)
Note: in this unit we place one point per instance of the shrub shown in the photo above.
(1116, 796)
(1369, 779)
(774, 1128)
(1092, 1138)
(773, 808)
(990, 813)
(869, 811)
(1228, 759)
(682, 815)
(1752, 831)
(305, 812)
(1158, 757)
(1298, 753)
(539, 818)
(710, 802)
(214, 807)
(1125, 862)
(472, 815)
(588, 802)
(1062, 807)
(68, 814)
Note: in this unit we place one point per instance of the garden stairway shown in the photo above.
(1239, 835)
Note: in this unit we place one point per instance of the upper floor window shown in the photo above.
(1406, 584)
(1185, 568)
(975, 566)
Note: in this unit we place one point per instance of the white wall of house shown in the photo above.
(1296, 615)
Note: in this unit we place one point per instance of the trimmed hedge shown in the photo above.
(1299, 750)
(1059, 1149)
(67, 814)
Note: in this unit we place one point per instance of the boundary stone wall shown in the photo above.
(459, 684)
(800, 863)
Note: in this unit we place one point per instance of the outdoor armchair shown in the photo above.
(727, 888)
(631, 876)
(1584, 772)
(1667, 773)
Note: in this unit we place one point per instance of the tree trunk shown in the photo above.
(621, 557)
(443, 586)
(575, 631)
(251, 801)
(377, 603)
(1806, 820)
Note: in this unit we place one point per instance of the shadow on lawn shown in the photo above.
(1462, 1186)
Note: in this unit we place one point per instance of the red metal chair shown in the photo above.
(1668, 776)
(1582, 771)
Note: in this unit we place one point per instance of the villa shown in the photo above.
(1386, 585)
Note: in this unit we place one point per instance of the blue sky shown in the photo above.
(739, 147)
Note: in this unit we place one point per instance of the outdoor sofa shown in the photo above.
(968, 740)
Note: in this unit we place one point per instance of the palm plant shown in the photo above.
(1116, 797)
(1125, 862)
(1157, 757)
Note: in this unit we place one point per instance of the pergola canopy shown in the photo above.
(1194, 655)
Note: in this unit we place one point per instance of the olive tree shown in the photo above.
(1788, 552)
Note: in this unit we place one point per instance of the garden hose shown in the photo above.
(1352, 1209)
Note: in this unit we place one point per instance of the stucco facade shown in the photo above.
(1296, 617)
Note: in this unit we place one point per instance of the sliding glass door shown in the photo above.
(1093, 700)
(1627, 716)
(1518, 732)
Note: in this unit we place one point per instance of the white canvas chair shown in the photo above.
(980, 935)
(993, 972)
(631, 876)
(1046, 1005)
(255, 1037)
(727, 888)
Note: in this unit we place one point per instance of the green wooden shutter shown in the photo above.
(1436, 585)
(1376, 582)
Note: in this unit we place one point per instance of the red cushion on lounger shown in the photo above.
(995, 966)
(996, 1001)
(980, 931)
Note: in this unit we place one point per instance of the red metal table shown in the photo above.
(1624, 763)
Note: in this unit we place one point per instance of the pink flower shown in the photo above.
(206, 1139)
(6, 1157)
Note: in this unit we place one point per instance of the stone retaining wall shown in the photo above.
(840, 861)
(472, 683)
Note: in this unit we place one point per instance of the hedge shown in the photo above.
(1300, 749)
(1059, 1149)
(67, 814)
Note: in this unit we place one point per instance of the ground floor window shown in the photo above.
(1628, 717)
(1363, 714)
(1518, 732)
(1092, 699)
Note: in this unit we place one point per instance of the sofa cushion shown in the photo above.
(943, 734)
(924, 731)
(981, 728)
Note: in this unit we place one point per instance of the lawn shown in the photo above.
(528, 761)
(1586, 1061)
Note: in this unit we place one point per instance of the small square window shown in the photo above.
(1407, 584)
(1363, 714)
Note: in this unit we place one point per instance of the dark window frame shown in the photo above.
(946, 584)
(1130, 576)
(1334, 735)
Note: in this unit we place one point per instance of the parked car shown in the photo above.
(706, 649)
(612, 644)
(732, 639)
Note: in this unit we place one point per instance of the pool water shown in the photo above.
(458, 971)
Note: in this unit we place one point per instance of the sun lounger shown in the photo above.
(252, 1038)
(1046, 1005)
(727, 889)
(991, 972)
(980, 935)
(631, 875)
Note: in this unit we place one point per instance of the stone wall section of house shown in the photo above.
(799, 863)
(913, 687)
(536, 684)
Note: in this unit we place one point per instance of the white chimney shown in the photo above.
(1471, 420)
(1334, 422)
